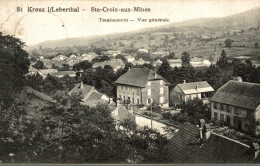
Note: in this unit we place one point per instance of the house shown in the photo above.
(175, 62)
(90, 96)
(236, 104)
(198, 144)
(113, 52)
(116, 64)
(189, 91)
(157, 63)
(143, 50)
(88, 57)
(129, 58)
(47, 63)
(45, 72)
(33, 102)
(59, 58)
(33, 71)
(142, 86)
(140, 62)
(61, 74)
(59, 63)
(199, 62)
(120, 114)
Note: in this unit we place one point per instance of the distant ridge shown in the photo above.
(244, 19)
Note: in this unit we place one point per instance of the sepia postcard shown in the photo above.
(130, 82)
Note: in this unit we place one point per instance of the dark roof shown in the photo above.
(38, 94)
(138, 77)
(187, 147)
(220, 149)
(183, 146)
(240, 94)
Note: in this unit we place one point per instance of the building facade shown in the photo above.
(142, 86)
(236, 104)
(181, 93)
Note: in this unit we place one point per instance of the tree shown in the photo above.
(84, 65)
(185, 59)
(14, 64)
(64, 67)
(228, 42)
(39, 65)
(122, 57)
(164, 69)
(222, 63)
(213, 75)
(171, 55)
(196, 110)
(100, 59)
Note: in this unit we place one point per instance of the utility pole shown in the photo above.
(151, 115)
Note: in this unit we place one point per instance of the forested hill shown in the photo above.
(250, 18)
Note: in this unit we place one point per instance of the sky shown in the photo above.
(35, 27)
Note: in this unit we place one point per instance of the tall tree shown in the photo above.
(222, 63)
(39, 65)
(185, 59)
(165, 69)
(14, 64)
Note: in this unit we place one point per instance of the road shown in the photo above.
(142, 121)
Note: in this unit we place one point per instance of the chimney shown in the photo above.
(207, 131)
(111, 100)
(81, 85)
(239, 79)
(184, 81)
(201, 128)
(254, 147)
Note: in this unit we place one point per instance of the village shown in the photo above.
(81, 89)
(229, 115)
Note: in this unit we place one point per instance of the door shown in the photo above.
(228, 120)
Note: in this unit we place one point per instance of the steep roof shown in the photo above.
(95, 96)
(84, 90)
(190, 88)
(37, 94)
(220, 149)
(182, 147)
(187, 147)
(120, 113)
(138, 77)
(63, 73)
(240, 94)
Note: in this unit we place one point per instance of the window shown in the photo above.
(149, 92)
(120, 97)
(229, 109)
(161, 99)
(138, 102)
(180, 97)
(221, 117)
(149, 83)
(214, 105)
(161, 90)
(149, 101)
(137, 92)
(124, 98)
(161, 82)
(215, 115)
(119, 88)
(133, 100)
